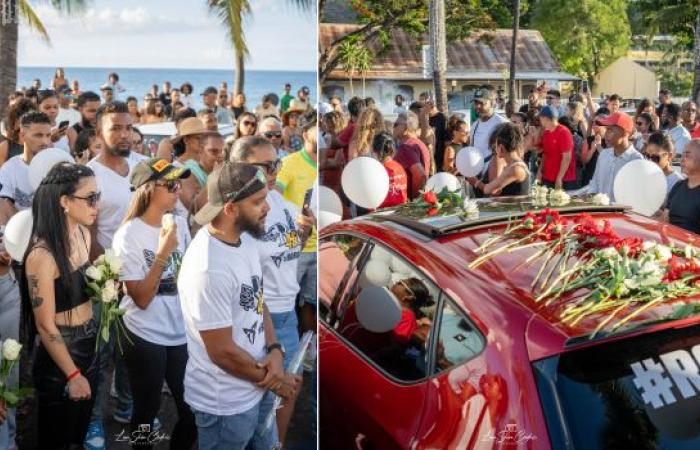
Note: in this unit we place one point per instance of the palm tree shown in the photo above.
(12, 12)
(438, 45)
(232, 14)
(348, 57)
(364, 63)
(512, 96)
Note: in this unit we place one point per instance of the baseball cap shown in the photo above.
(618, 119)
(106, 87)
(482, 95)
(210, 90)
(232, 182)
(156, 169)
(549, 112)
(305, 90)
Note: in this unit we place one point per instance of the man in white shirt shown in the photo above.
(65, 112)
(679, 134)
(619, 128)
(15, 195)
(209, 96)
(488, 120)
(280, 249)
(234, 356)
(112, 168)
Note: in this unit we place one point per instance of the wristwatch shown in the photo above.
(277, 346)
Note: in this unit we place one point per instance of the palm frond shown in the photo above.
(33, 21)
(69, 7)
(302, 5)
(231, 13)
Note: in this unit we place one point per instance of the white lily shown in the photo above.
(11, 349)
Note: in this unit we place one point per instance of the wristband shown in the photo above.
(274, 346)
(163, 262)
(73, 375)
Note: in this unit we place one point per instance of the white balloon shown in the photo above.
(366, 182)
(329, 201)
(442, 180)
(17, 234)
(379, 254)
(378, 310)
(469, 161)
(44, 161)
(398, 265)
(375, 273)
(642, 185)
(326, 218)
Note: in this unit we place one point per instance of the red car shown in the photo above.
(471, 361)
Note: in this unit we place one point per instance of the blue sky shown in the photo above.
(169, 33)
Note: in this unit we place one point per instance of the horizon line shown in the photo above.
(159, 68)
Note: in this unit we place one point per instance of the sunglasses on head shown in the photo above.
(171, 185)
(270, 166)
(272, 134)
(91, 199)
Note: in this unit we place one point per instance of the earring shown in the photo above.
(65, 210)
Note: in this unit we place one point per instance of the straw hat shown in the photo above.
(190, 127)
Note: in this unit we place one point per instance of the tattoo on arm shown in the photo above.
(34, 291)
(55, 338)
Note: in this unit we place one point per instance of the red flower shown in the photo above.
(430, 197)
(632, 245)
(432, 211)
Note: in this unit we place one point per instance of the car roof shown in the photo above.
(503, 283)
(168, 129)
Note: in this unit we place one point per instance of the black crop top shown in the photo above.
(77, 296)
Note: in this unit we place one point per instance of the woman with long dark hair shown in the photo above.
(55, 306)
(151, 251)
(47, 102)
(246, 125)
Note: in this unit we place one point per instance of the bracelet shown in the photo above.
(73, 375)
(163, 262)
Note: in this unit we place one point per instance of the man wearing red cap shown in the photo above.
(618, 129)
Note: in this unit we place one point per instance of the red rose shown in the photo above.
(430, 197)
(432, 212)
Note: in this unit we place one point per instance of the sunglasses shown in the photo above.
(272, 134)
(653, 158)
(171, 185)
(91, 199)
(641, 124)
(248, 123)
(270, 166)
(408, 289)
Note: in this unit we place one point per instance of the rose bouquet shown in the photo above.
(103, 287)
(8, 359)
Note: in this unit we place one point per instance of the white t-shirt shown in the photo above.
(135, 158)
(62, 143)
(221, 286)
(136, 243)
(680, 137)
(280, 249)
(481, 133)
(116, 196)
(69, 114)
(14, 182)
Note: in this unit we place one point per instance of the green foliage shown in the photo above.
(649, 18)
(679, 82)
(585, 35)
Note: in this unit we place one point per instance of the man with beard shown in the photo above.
(112, 169)
(286, 233)
(231, 340)
(88, 102)
(15, 195)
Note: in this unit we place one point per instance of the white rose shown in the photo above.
(648, 245)
(11, 349)
(559, 197)
(609, 252)
(112, 260)
(109, 291)
(600, 199)
(471, 208)
(94, 272)
(663, 252)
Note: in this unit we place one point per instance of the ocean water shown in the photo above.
(138, 82)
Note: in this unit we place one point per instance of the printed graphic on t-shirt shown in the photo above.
(168, 281)
(22, 199)
(252, 295)
(287, 236)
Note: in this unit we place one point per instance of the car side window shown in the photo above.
(388, 315)
(458, 340)
(338, 256)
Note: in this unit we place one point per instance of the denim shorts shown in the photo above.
(287, 332)
(237, 432)
(306, 275)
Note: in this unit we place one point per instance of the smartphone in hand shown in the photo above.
(306, 208)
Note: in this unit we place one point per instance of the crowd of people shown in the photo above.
(579, 146)
(201, 227)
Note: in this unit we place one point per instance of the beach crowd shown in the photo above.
(211, 232)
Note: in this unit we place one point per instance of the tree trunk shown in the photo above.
(512, 95)
(439, 53)
(8, 52)
(239, 76)
(696, 60)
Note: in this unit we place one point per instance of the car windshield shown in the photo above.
(639, 393)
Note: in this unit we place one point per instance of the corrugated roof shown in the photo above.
(483, 51)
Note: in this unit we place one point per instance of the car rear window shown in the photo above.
(638, 393)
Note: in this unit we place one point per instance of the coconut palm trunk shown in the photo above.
(696, 60)
(439, 52)
(512, 95)
(8, 52)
